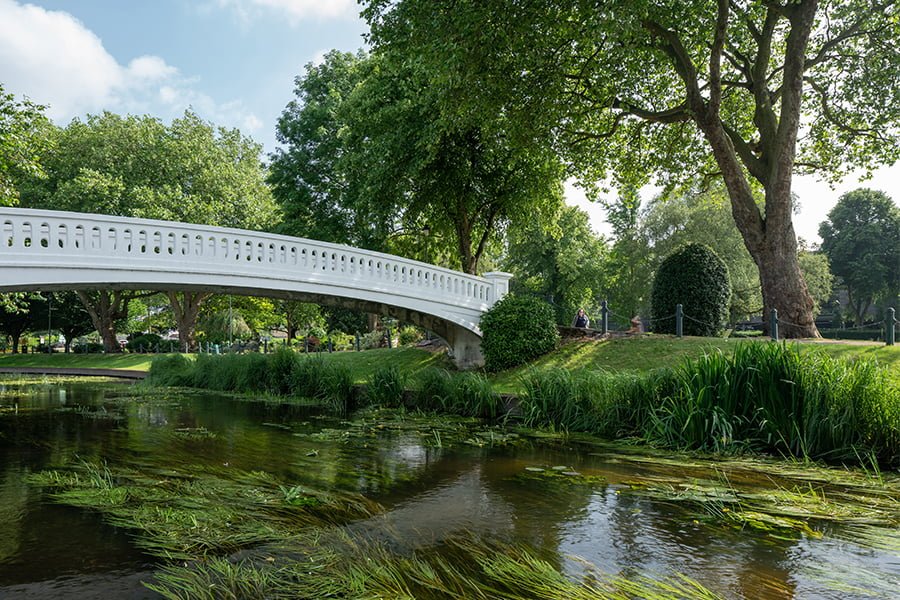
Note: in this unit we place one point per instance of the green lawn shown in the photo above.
(136, 362)
(643, 353)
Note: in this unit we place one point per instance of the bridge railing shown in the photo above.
(141, 243)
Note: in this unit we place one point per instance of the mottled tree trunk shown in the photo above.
(105, 308)
(186, 309)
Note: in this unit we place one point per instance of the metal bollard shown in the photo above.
(679, 321)
(357, 341)
(773, 325)
(604, 318)
(890, 324)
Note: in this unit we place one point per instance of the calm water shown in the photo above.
(430, 490)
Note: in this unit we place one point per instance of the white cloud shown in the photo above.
(51, 57)
(294, 11)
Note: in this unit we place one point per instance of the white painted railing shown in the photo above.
(47, 241)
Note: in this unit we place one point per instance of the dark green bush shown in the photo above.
(517, 329)
(695, 277)
(145, 342)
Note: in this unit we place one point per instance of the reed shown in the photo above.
(386, 387)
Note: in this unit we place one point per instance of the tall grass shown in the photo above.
(283, 373)
(466, 394)
(387, 387)
(763, 397)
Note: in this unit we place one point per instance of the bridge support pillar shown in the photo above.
(465, 348)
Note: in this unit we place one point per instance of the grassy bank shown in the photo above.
(784, 399)
(645, 353)
(634, 354)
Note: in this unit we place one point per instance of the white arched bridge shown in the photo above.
(50, 250)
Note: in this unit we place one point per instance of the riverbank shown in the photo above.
(634, 354)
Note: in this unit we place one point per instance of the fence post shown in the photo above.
(773, 324)
(679, 320)
(889, 324)
(357, 341)
(604, 318)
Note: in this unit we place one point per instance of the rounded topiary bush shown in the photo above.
(695, 277)
(516, 330)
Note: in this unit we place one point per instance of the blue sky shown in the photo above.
(233, 61)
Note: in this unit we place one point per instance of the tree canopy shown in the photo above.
(23, 137)
(137, 166)
(626, 90)
(371, 160)
(861, 238)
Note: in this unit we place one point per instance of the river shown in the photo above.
(582, 504)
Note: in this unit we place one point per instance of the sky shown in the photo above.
(231, 61)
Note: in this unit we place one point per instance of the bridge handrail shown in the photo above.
(36, 232)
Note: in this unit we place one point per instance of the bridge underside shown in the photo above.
(464, 343)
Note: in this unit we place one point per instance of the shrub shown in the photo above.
(517, 329)
(409, 335)
(473, 396)
(145, 342)
(695, 277)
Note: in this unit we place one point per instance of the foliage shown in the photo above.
(695, 277)
(817, 275)
(367, 151)
(861, 238)
(675, 89)
(409, 335)
(563, 264)
(25, 134)
(703, 216)
(517, 329)
(346, 320)
(145, 342)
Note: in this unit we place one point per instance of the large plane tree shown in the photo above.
(752, 92)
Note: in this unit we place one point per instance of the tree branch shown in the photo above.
(715, 58)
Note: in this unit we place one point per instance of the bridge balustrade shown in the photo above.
(98, 238)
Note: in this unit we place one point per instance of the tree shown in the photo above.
(817, 273)
(625, 89)
(23, 137)
(16, 317)
(370, 160)
(133, 166)
(563, 264)
(628, 267)
(63, 312)
(703, 216)
(861, 239)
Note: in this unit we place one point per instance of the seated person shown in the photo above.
(580, 319)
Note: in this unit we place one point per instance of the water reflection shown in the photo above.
(430, 493)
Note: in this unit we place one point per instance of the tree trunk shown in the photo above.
(15, 342)
(186, 310)
(104, 311)
(784, 290)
